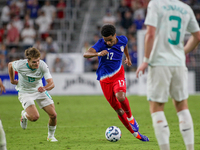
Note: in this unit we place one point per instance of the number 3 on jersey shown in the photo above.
(175, 29)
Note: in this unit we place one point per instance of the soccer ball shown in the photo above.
(113, 134)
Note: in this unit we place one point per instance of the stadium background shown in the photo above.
(71, 28)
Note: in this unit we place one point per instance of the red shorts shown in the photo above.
(110, 89)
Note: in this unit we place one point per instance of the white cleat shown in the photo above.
(23, 120)
(52, 139)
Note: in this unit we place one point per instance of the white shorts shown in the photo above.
(43, 99)
(163, 81)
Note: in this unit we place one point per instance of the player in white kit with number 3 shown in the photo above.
(167, 22)
(30, 89)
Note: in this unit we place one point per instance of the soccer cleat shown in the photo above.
(52, 139)
(134, 125)
(23, 120)
(142, 137)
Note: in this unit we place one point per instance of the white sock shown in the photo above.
(2, 138)
(186, 128)
(51, 131)
(129, 119)
(161, 129)
(24, 114)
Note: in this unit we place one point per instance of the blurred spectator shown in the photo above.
(58, 65)
(98, 30)
(131, 40)
(21, 4)
(32, 9)
(12, 35)
(49, 10)
(51, 46)
(198, 17)
(109, 18)
(17, 23)
(139, 23)
(132, 30)
(95, 63)
(133, 56)
(60, 9)
(127, 21)
(139, 11)
(122, 9)
(28, 20)
(39, 45)
(95, 39)
(3, 58)
(14, 10)
(3, 30)
(44, 25)
(28, 36)
(5, 14)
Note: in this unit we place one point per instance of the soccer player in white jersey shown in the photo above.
(167, 22)
(2, 133)
(30, 89)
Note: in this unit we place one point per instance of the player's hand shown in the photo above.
(2, 89)
(103, 53)
(128, 62)
(141, 69)
(15, 82)
(41, 89)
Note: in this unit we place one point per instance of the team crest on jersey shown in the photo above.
(122, 48)
(109, 49)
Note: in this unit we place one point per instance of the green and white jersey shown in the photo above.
(172, 18)
(29, 80)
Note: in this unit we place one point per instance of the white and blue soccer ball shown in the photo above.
(113, 134)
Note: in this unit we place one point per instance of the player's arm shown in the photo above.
(192, 42)
(91, 52)
(50, 85)
(149, 40)
(128, 60)
(11, 73)
(2, 87)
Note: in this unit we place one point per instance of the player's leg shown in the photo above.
(185, 123)
(30, 111)
(179, 93)
(158, 82)
(50, 110)
(120, 92)
(46, 103)
(2, 138)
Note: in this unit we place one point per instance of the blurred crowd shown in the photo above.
(128, 18)
(26, 23)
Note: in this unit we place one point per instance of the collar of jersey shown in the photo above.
(29, 67)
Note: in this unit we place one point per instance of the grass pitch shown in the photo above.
(82, 122)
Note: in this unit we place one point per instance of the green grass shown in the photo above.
(82, 121)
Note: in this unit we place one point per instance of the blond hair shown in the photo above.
(32, 52)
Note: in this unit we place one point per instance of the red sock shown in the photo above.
(126, 107)
(124, 120)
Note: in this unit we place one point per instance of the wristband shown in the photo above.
(99, 53)
(146, 60)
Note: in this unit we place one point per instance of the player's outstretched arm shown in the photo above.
(50, 85)
(92, 53)
(2, 87)
(11, 73)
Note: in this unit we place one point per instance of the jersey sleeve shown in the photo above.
(98, 45)
(193, 26)
(152, 14)
(45, 70)
(16, 64)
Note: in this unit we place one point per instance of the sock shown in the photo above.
(186, 128)
(126, 107)
(51, 131)
(2, 138)
(24, 114)
(161, 129)
(124, 120)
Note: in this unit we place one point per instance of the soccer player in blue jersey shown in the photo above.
(2, 133)
(110, 74)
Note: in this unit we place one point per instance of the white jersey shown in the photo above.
(29, 80)
(172, 18)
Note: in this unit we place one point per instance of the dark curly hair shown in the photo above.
(32, 52)
(108, 30)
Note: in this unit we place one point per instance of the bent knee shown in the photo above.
(34, 118)
(53, 116)
(121, 98)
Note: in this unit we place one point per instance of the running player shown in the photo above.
(110, 73)
(30, 89)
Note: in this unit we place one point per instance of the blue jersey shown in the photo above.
(110, 64)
